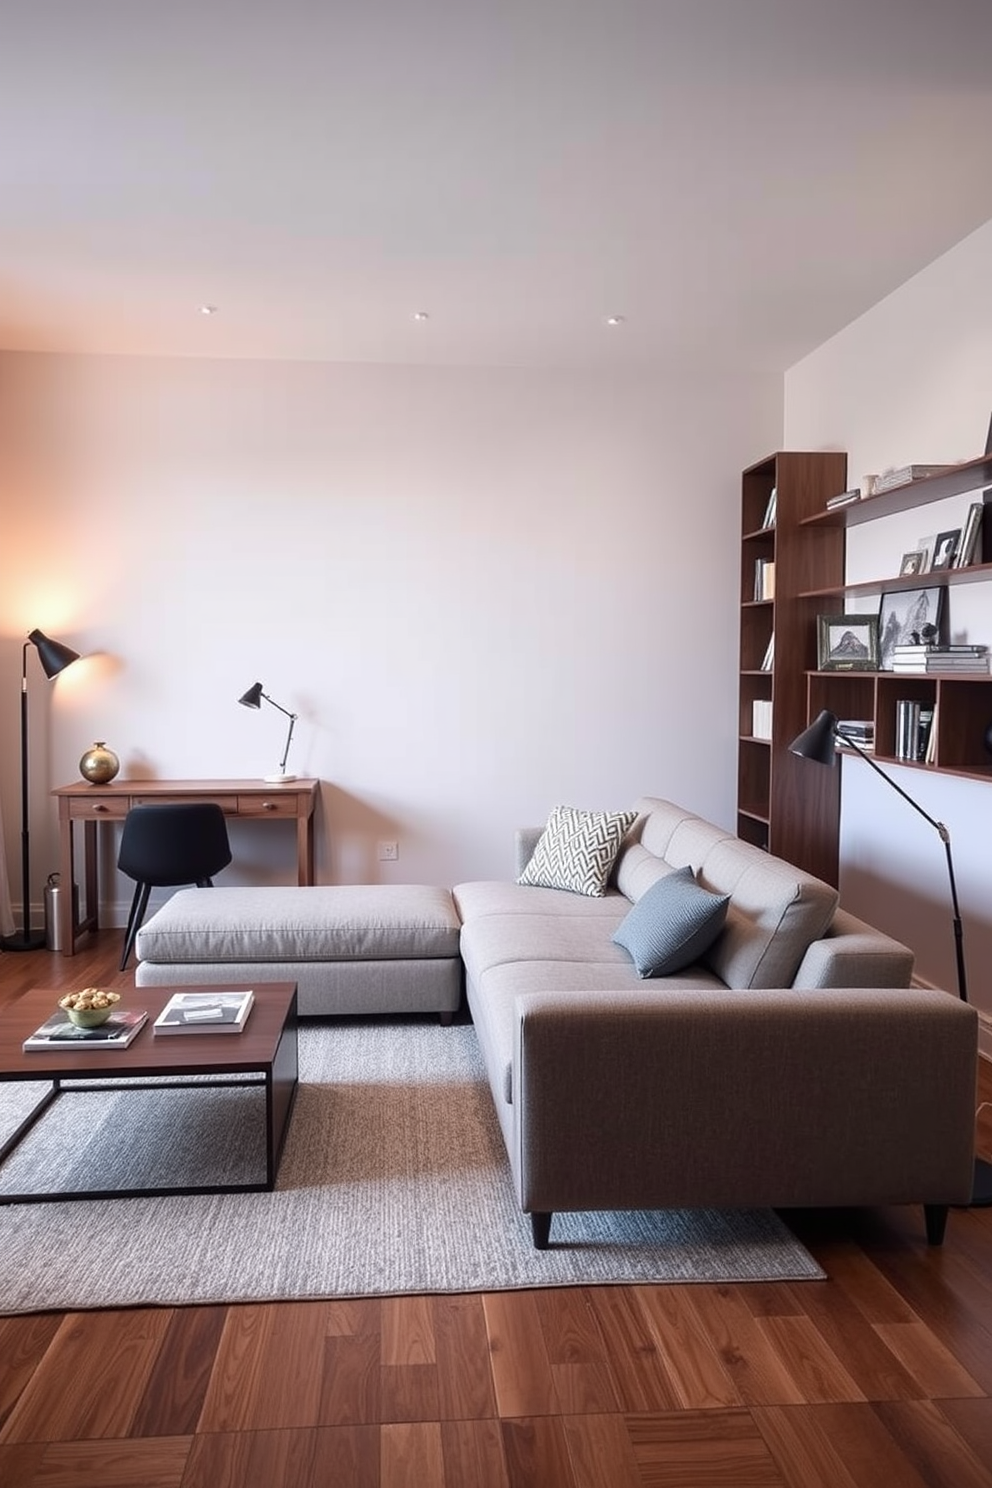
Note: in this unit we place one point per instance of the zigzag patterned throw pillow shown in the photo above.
(577, 849)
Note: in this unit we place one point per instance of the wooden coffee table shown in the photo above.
(265, 1053)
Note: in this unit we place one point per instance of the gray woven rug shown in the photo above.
(393, 1179)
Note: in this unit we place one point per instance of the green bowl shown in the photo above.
(88, 1017)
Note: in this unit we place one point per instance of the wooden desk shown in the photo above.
(92, 805)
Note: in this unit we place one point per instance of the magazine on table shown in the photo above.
(204, 1012)
(58, 1033)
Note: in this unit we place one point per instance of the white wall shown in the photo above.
(485, 592)
(911, 382)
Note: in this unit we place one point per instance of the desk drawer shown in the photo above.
(275, 804)
(100, 808)
(227, 804)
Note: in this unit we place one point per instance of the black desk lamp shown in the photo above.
(253, 699)
(818, 743)
(54, 658)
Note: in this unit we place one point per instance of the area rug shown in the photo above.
(394, 1179)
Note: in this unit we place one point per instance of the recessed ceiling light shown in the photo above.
(208, 309)
(615, 320)
(421, 315)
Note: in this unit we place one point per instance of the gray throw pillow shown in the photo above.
(577, 849)
(672, 924)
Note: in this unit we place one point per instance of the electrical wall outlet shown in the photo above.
(388, 852)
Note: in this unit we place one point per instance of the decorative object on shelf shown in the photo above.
(54, 657)
(945, 549)
(253, 699)
(847, 643)
(904, 615)
(818, 743)
(912, 563)
(99, 764)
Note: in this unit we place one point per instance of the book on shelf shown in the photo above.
(57, 1032)
(968, 546)
(930, 752)
(769, 656)
(204, 1012)
(861, 730)
(761, 719)
(907, 729)
(764, 578)
(924, 725)
(768, 520)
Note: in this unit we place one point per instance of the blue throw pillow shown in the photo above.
(672, 924)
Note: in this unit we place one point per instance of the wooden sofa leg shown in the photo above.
(936, 1221)
(540, 1226)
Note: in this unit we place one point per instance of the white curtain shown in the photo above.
(6, 917)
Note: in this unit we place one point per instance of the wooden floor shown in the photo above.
(879, 1377)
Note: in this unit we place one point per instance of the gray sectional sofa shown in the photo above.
(792, 1065)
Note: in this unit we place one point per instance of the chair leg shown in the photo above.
(138, 906)
(204, 883)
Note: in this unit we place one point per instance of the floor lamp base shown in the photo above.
(23, 942)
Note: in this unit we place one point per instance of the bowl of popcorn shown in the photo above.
(89, 1008)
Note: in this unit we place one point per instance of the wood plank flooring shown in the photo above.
(879, 1377)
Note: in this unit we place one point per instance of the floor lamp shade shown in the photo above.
(819, 743)
(254, 698)
(54, 656)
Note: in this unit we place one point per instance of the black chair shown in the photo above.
(165, 846)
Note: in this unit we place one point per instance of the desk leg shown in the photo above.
(67, 930)
(304, 849)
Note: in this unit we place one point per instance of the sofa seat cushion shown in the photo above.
(671, 925)
(577, 850)
(496, 940)
(501, 897)
(314, 923)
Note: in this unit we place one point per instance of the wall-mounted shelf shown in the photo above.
(963, 702)
(957, 480)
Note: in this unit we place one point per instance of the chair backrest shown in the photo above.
(174, 844)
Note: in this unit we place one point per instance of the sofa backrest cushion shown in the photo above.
(776, 910)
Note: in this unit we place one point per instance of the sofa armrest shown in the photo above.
(715, 1098)
(853, 954)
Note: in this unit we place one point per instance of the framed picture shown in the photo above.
(902, 616)
(945, 548)
(847, 643)
(912, 563)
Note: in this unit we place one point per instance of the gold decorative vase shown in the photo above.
(99, 764)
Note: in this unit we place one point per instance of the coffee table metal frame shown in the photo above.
(265, 1053)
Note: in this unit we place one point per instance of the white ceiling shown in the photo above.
(737, 178)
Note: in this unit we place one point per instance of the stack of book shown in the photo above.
(922, 660)
(889, 479)
(843, 498)
(860, 731)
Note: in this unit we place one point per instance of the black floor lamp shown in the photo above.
(54, 658)
(819, 743)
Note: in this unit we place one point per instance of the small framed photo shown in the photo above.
(847, 643)
(945, 549)
(908, 617)
(912, 563)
